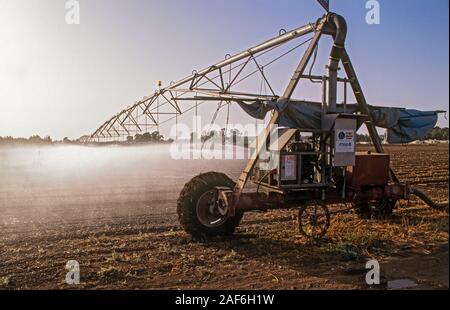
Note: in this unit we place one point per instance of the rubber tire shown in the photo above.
(187, 206)
(364, 211)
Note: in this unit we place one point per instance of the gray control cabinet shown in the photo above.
(344, 142)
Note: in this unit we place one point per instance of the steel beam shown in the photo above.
(363, 106)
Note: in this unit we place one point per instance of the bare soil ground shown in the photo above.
(114, 211)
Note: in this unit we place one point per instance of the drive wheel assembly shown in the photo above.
(199, 213)
(314, 220)
(378, 210)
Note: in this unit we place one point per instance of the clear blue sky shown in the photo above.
(63, 80)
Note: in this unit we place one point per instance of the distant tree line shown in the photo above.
(223, 134)
(154, 137)
(438, 134)
(33, 140)
(363, 138)
(146, 138)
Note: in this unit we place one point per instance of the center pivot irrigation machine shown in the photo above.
(315, 159)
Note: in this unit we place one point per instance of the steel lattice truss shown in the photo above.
(217, 83)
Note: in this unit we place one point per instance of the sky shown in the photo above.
(66, 80)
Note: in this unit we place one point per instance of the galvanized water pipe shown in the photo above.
(338, 23)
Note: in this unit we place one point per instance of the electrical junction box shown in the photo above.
(289, 167)
(344, 141)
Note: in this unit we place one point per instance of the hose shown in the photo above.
(428, 200)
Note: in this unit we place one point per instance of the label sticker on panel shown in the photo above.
(345, 141)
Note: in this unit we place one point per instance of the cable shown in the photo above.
(313, 63)
(274, 60)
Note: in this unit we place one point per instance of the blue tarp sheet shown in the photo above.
(403, 125)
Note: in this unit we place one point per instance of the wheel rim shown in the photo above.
(314, 220)
(207, 213)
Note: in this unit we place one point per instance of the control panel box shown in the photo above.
(289, 168)
(344, 142)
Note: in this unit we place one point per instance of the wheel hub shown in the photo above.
(211, 211)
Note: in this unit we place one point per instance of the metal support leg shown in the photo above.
(363, 107)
